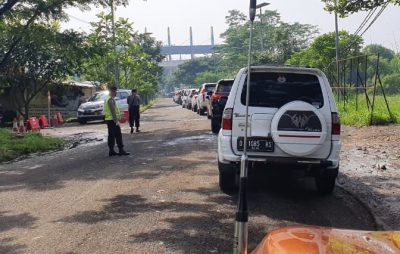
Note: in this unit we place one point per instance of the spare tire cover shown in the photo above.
(298, 128)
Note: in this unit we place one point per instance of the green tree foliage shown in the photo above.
(134, 62)
(345, 7)
(44, 56)
(187, 72)
(208, 77)
(376, 49)
(27, 12)
(391, 83)
(280, 40)
(321, 53)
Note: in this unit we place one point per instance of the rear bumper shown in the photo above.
(89, 117)
(226, 156)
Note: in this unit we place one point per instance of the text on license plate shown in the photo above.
(256, 144)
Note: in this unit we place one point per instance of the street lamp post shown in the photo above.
(259, 6)
(116, 67)
(337, 47)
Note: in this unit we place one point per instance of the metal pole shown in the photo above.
(242, 216)
(337, 45)
(261, 31)
(116, 68)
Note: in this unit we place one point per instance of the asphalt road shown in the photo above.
(163, 198)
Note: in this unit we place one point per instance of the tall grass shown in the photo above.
(356, 113)
(13, 146)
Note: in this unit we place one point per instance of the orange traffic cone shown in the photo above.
(15, 125)
(21, 125)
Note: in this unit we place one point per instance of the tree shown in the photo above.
(280, 40)
(44, 56)
(136, 56)
(391, 83)
(188, 71)
(345, 7)
(376, 49)
(209, 77)
(321, 53)
(30, 11)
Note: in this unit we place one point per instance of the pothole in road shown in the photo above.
(183, 140)
(84, 139)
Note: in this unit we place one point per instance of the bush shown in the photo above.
(391, 83)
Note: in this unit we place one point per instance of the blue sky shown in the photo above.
(179, 15)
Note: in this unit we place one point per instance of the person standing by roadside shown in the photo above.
(112, 114)
(134, 102)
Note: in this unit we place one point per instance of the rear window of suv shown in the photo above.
(210, 87)
(274, 90)
(224, 86)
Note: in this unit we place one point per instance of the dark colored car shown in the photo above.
(217, 103)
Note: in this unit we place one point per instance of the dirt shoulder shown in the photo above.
(370, 169)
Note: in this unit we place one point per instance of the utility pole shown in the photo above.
(337, 46)
(116, 68)
(259, 6)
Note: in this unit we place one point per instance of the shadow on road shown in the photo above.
(23, 220)
(7, 246)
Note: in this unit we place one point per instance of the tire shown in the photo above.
(227, 178)
(325, 184)
(215, 125)
(81, 121)
(201, 111)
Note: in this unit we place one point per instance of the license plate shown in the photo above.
(255, 144)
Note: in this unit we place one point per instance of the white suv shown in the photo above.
(293, 124)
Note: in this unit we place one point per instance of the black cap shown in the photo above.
(113, 88)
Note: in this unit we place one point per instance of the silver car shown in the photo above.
(92, 110)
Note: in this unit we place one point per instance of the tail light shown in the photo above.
(335, 124)
(227, 119)
(216, 97)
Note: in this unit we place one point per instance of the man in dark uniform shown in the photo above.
(134, 102)
(111, 115)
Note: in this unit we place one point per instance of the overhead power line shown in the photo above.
(376, 17)
(78, 19)
(368, 27)
(366, 19)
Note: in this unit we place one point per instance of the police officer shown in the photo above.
(112, 114)
(134, 102)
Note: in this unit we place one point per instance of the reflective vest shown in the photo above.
(107, 110)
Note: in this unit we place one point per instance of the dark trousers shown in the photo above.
(114, 134)
(134, 116)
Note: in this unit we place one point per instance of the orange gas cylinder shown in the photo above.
(125, 117)
(60, 119)
(43, 122)
(33, 124)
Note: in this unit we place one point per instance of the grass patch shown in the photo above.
(361, 116)
(13, 146)
(148, 105)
